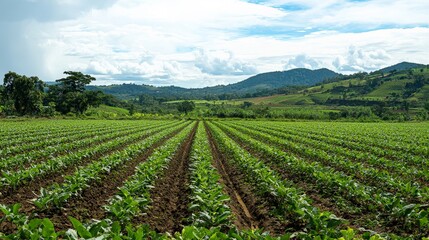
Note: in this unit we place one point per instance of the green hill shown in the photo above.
(401, 66)
(394, 85)
(294, 77)
(264, 81)
(395, 88)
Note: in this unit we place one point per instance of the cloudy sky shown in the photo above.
(196, 43)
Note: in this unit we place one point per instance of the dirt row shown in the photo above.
(29, 190)
(170, 196)
(168, 211)
(335, 204)
(250, 210)
(88, 205)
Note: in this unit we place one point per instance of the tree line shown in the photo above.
(22, 95)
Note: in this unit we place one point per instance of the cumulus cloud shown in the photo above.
(302, 61)
(222, 63)
(157, 41)
(101, 68)
(361, 60)
(145, 68)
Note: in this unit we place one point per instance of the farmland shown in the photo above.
(164, 179)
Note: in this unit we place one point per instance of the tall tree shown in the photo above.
(75, 81)
(70, 94)
(186, 106)
(22, 94)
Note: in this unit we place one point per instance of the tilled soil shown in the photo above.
(250, 211)
(319, 200)
(170, 197)
(29, 190)
(89, 204)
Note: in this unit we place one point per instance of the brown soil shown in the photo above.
(250, 211)
(170, 197)
(324, 203)
(29, 190)
(88, 205)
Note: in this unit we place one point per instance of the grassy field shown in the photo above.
(395, 86)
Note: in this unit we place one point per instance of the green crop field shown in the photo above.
(231, 179)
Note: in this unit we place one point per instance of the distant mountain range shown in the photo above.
(403, 86)
(401, 66)
(260, 82)
(270, 80)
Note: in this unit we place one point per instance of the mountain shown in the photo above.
(408, 87)
(259, 85)
(401, 66)
(260, 82)
(294, 77)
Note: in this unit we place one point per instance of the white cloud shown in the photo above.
(222, 63)
(195, 43)
(102, 68)
(302, 61)
(361, 60)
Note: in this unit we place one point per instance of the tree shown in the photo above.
(132, 110)
(186, 106)
(247, 104)
(75, 82)
(70, 94)
(22, 94)
(426, 106)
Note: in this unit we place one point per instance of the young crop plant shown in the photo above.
(14, 179)
(416, 166)
(290, 203)
(38, 228)
(76, 142)
(61, 138)
(76, 183)
(134, 196)
(208, 200)
(317, 150)
(26, 227)
(411, 218)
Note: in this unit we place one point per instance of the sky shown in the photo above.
(198, 43)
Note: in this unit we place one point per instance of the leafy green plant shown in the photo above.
(208, 201)
(27, 228)
(76, 183)
(134, 195)
(289, 202)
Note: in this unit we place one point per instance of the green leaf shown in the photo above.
(34, 223)
(188, 232)
(423, 222)
(81, 230)
(48, 228)
(15, 208)
(116, 227)
(139, 234)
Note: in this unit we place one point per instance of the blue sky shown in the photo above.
(196, 43)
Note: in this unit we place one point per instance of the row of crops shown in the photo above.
(213, 180)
